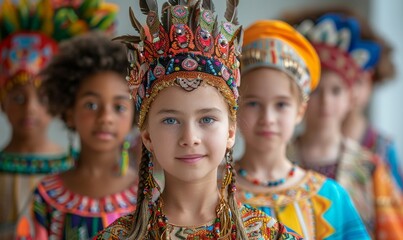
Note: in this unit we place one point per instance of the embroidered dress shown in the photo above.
(316, 208)
(257, 224)
(386, 149)
(376, 197)
(19, 175)
(62, 214)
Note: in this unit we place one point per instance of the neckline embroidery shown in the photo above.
(58, 196)
(309, 186)
(210, 230)
(35, 163)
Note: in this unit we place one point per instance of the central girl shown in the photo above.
(184, 76)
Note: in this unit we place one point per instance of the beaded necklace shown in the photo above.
(214, 232)
(243, 173)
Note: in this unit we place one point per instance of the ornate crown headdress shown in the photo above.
(340, 48)
(185, 47)
(29, 34)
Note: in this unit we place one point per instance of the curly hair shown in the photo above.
(385, 68)
(77, 59)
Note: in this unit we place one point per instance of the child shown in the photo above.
(279, 70)
(86, 82)
(184, 81)
(356, 126)
(344, 57)
(25, 48)
(28, 41)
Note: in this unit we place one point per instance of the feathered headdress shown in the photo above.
(29, 33)
(184, 46)
(340, 48)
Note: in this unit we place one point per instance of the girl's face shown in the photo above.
(329, 103)
(361, 92)
(26, 111)
(189, 132)
(269, 108)
(103, 112)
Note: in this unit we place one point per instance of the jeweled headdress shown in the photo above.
(185, 46)
(29, 34)
(340, 48)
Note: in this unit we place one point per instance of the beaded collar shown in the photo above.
(309, 186)
(18, 163)
(58, 196)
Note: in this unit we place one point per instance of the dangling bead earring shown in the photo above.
(152, 184)
(124, 159)
(223, 210)
(71, 158)
(227, 172)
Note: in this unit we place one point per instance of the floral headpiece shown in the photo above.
(29, 34)
(340, 48)
(185, 47)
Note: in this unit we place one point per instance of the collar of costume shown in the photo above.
(30, 32)
(185, 47)
(340, 48)
(275, 44)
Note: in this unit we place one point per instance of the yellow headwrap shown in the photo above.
(273, 43)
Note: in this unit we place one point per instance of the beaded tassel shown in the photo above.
(71, 154)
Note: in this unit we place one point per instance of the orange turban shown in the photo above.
(272, 43)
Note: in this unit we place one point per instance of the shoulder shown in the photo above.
(338, 195)
(259, 225)
(355, 154)
(333, 187)
(119, 229)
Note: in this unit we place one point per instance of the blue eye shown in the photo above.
(207, 120)
(91, 106)
(170, 121)
(120, 108)
(252, 104)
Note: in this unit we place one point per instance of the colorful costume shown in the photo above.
(362, 173)
(62, 214)
(316, 207)
(366, 178)
(19, 175)
(386, 149)
(257, 224)
(184, 50)
(28, 41)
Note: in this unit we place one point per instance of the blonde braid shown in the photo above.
(142, 214)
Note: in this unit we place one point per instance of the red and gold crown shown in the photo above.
(185, 47)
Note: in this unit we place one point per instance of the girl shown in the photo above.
(185, 81)
(87, 86)
(344, 57)
(356, 126)
(30, 154)
(28, 34)
(279, 70)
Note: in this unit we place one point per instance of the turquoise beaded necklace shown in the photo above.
(243, 173)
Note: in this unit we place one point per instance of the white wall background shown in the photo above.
(386, 111)
(386, 16)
